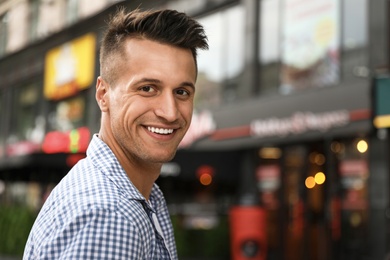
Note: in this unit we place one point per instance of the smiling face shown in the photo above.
(147, 110)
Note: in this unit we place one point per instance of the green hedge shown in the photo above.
(15, 225)
(203, 244)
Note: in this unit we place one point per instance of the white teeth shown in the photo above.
(161, 131)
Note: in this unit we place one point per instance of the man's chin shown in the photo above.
(163, 158)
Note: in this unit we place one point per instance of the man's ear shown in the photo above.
(102, 94)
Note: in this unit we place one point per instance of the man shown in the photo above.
(108, 206)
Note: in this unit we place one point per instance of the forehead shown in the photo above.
(132, 46)
(142, 54)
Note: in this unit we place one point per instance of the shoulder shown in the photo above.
(85, 186)
(90, 234)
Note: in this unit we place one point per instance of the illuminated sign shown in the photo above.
(268, 177)
(74, 141)
(299, 123)
(70, 67)
(382, 104)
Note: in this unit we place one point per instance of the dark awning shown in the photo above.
(313, 114)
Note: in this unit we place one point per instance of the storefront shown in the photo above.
(312, 165)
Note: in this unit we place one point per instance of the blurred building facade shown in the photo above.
(284, 119)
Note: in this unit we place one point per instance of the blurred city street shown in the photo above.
(287, 155)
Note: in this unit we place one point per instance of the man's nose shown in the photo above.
(167, 107)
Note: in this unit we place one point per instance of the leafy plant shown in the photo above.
(15, 225)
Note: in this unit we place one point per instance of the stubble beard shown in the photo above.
(138, 150)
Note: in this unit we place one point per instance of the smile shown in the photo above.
(161, 131)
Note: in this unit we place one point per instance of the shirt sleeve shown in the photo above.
(96, 234)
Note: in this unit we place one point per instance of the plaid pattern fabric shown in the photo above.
(95, 212)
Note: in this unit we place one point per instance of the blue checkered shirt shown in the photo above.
(95, 212)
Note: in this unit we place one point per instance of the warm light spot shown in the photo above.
(270, 153)
(205, 174)
(205, 179)
(362, 146)
(337, 147)
(319, 159)
(310, 182)
(355, 219)
(319, 178)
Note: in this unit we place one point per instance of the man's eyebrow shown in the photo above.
(187, 84)
(157, 81)
(148, 80)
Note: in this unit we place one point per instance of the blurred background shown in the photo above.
(287, 156)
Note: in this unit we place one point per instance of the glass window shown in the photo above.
(294, 161)
(27, 124)
(269, 183)
(67, 128)
(67, 114)
(72, 11)
(300, 44)
(354, 39)
(234, 41)
(353, 176)
(222, 65)
(269, 28)
(269, 45)
(309, 44)
(354, 24)
(3, 33)
(33, 19)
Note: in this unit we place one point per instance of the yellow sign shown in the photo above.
(70, 67)
(381, 102)
(382, 121)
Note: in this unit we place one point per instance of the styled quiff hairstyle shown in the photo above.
(164, 26)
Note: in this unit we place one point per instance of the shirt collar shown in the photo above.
(104, 159)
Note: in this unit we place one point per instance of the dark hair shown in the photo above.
(164, 26)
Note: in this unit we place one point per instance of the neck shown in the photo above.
(142, 174)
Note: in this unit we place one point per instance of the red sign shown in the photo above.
(74, 141)
(354, 167)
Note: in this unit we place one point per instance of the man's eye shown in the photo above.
(182, 92)
(147, 89)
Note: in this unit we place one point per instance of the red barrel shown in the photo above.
(248, 233)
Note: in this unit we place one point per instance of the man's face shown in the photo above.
(150, 104)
